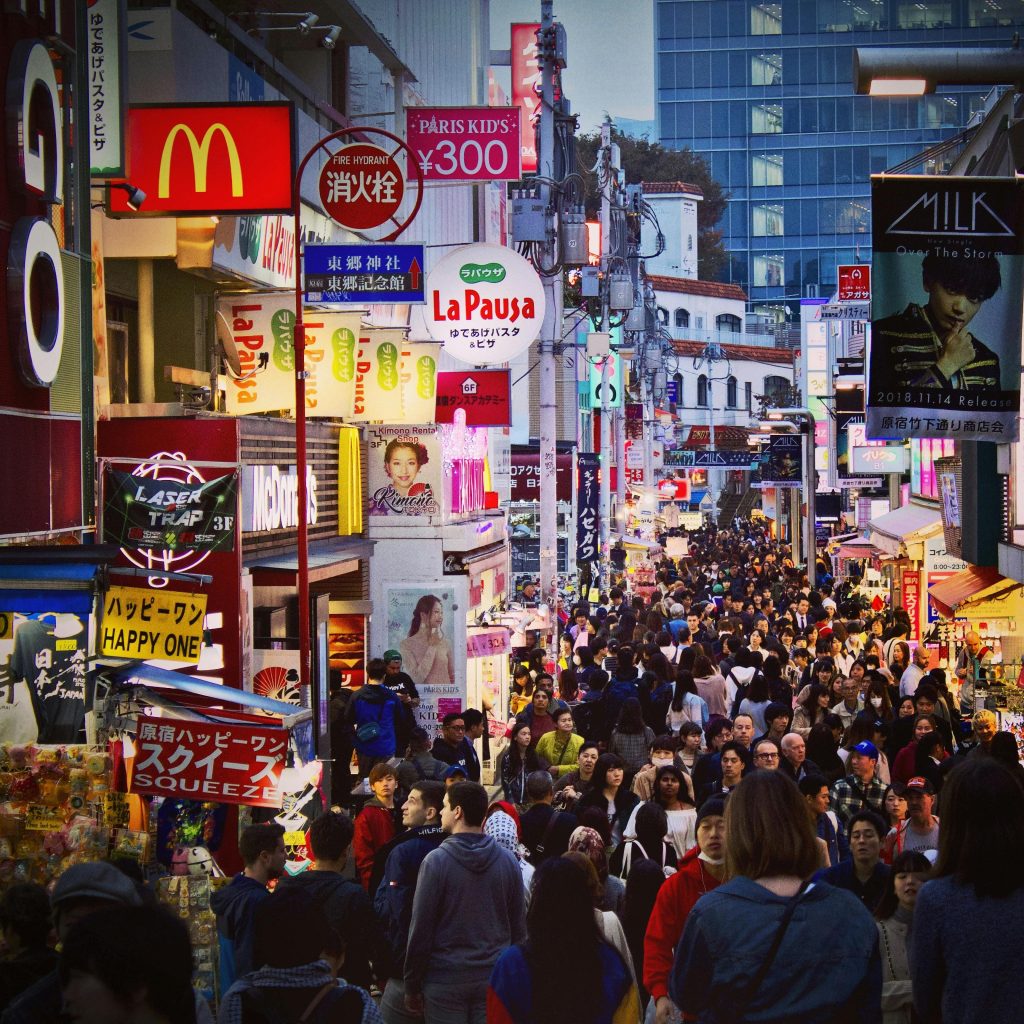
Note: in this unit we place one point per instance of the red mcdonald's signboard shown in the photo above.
(203, 158)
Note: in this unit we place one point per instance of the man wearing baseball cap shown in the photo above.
(920, 829)
(861, 790)
(80, 891)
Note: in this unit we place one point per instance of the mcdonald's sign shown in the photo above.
(204, 158)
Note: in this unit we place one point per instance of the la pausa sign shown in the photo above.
(486, 304)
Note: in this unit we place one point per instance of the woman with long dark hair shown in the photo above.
(642, 888)
(517, 762)
(565, 970)
(610, 795)
(968, 930)
(812, 707)
(631, 738)
(426, 651)
(687, 705)
(894, 914)
(822, 749)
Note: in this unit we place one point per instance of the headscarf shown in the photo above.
(588, 841)
(502, 829)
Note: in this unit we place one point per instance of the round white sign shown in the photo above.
(485, 303)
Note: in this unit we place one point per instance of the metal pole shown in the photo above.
(620, 462)
(810, 479)
(711, 442)
(606, 250)
(550, 337)
(302, 549)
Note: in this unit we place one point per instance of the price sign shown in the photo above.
(465, 143)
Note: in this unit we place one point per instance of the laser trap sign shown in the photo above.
(946, 308)
(485, 303)
(140, 623)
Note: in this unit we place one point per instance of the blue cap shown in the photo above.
(867, 748)
(458, 769)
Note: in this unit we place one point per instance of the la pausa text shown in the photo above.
(474, 305)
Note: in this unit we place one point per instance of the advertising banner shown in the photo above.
(276, 675)
(347, 647)
(260, 328)
(912, 602)
(106, 88)
(331, 340)
(613, 400)
(421, 627)
(485, 396)
(784, 464)
(526, 77)
(588, 516)
(209, 159)
(231, 764)
(143, 623)
(419, 381)
(854, 283)
(526, 476)
(485, 303)
(141, 512)
(946, 329)
(465, 143)
(42, 677)
(404, 472)
(378, 390)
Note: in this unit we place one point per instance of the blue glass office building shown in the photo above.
(764, 91)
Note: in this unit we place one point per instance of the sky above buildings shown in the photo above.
(611, 54)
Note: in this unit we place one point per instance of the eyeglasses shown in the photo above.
(767, 757)
(456, 728)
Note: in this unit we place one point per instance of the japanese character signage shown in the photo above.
(361, 186)
(526, 79)
(526, 476)
(485, 396)
(363, 273)
(613, 399)
(946, 330)
(231, 764)
(588, 516)
(141, 623)
(465, 143)
(784, 464)
(106, 87)
(206, 158)
(485, 303)
(912, 602)
(855, 284)
(140, 512)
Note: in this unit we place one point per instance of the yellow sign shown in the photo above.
(139, 623)
(6, 625)
(200, 157)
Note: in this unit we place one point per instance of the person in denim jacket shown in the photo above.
(825, 968)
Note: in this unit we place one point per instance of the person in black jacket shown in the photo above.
(545, 831)
(421, 815)
(344, 901)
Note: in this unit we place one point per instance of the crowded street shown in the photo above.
(512, 512)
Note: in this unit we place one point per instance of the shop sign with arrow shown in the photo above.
(363, 273)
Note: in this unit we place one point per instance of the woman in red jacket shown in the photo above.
(375, 823)
(700, 871)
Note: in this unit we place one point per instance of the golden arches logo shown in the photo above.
(200, 158)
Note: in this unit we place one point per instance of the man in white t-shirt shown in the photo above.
(920, 830)
(915, 671)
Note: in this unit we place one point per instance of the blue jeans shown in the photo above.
(455, 1002)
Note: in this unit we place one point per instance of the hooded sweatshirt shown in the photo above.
(234, 906)
(469, 906)
(375, 703)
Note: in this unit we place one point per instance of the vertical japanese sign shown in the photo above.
(946, 328)
(231, 764)
(106, 88)
(587, 504)
(912, 602)
(526, 76)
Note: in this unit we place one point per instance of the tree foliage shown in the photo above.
(644, 160)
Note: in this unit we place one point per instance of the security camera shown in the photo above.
(307, 23)
(331, 39)
(136, 197)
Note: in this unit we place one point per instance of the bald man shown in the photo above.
(794, 761)
(974, 666)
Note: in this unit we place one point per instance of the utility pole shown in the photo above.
(551, 333)
(606, 180)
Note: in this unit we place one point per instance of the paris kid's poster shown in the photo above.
(404, 472)
(946, 307)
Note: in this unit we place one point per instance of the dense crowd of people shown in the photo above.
(734, 798)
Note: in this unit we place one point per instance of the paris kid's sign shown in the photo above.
(485, 303)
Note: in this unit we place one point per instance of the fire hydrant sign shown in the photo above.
(485, 303)
(465, 143)
(140, 623)
(232, 764)
(361, 186)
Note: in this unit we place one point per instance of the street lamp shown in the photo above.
(913, 71)
(810, 481)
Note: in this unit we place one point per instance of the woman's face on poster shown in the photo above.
(402, 468)
(436, 616)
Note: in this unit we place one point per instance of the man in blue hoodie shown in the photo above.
(263, 854)
(421, 816)
(374, 713)
(470, 905)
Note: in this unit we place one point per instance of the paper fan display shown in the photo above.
(278, 683)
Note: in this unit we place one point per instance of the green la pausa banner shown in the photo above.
(167, 515)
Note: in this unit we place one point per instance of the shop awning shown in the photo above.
(947, 594)
(910, 524)
(861, 547)
(329, 558)
(36, 580)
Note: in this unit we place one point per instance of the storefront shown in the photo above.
(901, 536)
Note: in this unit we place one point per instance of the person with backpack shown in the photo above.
(419, 763)
(374, 713)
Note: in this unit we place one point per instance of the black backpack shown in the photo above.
(341, 1004)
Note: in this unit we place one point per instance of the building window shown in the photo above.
(766, 68)
(930, 15)
(748, 396)
(729, 322)
(663, 316)
(767, 219)
(766, 169)
(699, 323)
(731, 392)
(776, 389)
(678, 378)
(766, 119)
(766, 19)
(703, 391)
(768, 271)
(682, 317)
(987, 14)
